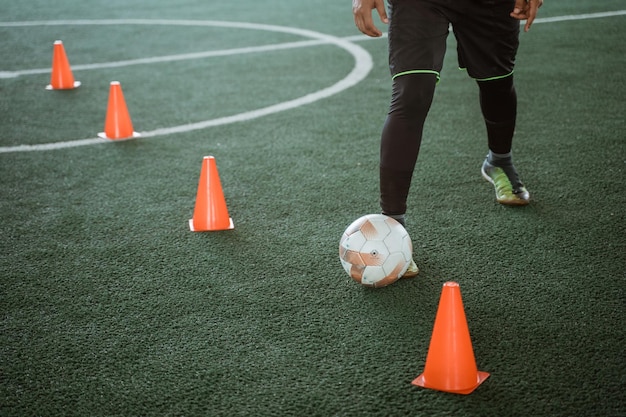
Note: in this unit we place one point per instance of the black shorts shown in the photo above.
(487, 37)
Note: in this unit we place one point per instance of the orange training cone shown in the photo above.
(210, 212)
(117, 124)
(61, 77)
(450, 363)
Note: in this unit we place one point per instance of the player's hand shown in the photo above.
(362, 10)
(526, 10)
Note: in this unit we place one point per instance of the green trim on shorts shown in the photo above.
(499, 77)
(417, 72)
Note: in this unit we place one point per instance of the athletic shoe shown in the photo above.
(412, 271)
(509, 189)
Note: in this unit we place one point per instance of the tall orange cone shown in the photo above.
(61, 77)
(117, 124)
(450, 363)
(210, 212)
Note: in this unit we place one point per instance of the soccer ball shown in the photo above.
(375, 250)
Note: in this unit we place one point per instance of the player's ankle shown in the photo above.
(500, 159)
(400, 218)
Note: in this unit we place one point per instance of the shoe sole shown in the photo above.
(411, 274)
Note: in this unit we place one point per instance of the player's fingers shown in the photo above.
(366, 25)
(532, 13)
(519, 14)
(528, 24)
(363, 21)
(382, 12)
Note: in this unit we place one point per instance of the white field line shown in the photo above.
(171, 58)
(362, 66)
(580, 16)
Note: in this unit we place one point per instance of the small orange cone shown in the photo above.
(117, 124)
(61, 77)
(210, 212)
(450, 363)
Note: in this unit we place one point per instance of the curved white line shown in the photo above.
(362, 67)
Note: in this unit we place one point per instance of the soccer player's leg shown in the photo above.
(417, 44)
(487, 43)
(498, 102)
(401, 139)
(400, 143)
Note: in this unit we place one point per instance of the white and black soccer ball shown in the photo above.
(375, 250)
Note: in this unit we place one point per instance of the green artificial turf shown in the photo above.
(112, 307)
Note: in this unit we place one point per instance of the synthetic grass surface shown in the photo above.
(111, 306)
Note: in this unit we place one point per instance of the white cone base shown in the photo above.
(230, 226)
(76, 85)
(104, 136)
